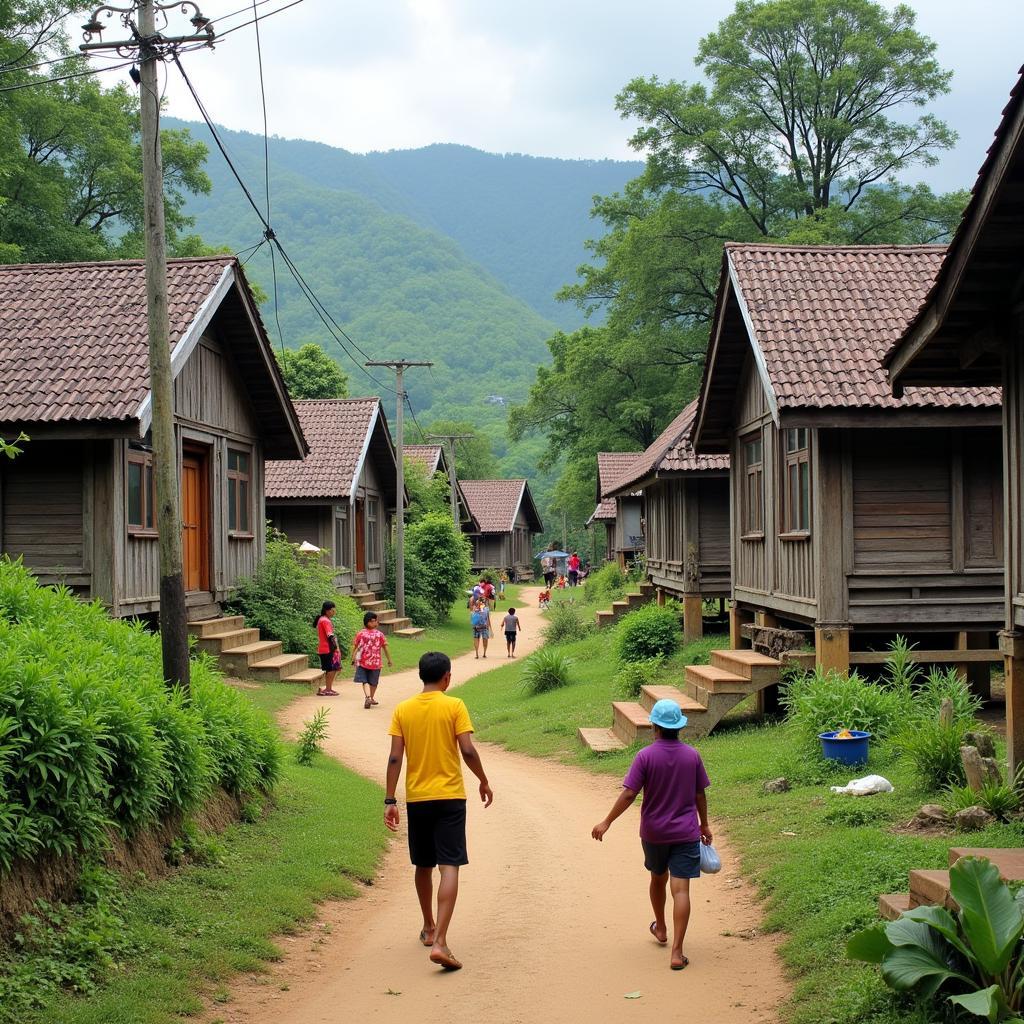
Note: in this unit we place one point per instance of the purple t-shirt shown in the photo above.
(670, 774)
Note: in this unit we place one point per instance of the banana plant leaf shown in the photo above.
(986, 1002)
(992, 920)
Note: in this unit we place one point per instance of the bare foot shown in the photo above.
(661, 934)
(443, 957)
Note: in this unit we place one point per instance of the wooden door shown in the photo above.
(195, 523)
(360, 536)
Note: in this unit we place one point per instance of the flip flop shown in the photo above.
(423, 939)
(327, 693)
(682, 966)
(654, 925)
(366, 704)
(446, 960)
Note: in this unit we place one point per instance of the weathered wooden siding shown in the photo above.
(206, 394)
(1013, 468)
(629, 535)
(713, 533)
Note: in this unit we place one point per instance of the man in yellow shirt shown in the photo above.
(430, 730)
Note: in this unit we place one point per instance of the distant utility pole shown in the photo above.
(399, 366)
(452, 480)
(149, 46)
(565, 535)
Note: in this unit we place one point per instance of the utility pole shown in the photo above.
(452, 479)
(149, 47)
(399, 366)
(565, 535)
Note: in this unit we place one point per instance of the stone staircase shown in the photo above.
(710, 692)
(387, 618)
(931, 888)
(627, 604)
(241, 653)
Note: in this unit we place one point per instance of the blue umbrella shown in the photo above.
(552, 554)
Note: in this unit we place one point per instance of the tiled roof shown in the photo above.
(494, 504)
(73, 336)
(338, 432)
(824, 317)
(672, 452)
(611, 466)
(428, 455)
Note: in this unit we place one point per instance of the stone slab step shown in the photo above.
(279, 666)
(1009, 861)
(605, 618)
(629, 721)
(221, 624)
(930, 888)
(374, 606)
(601, 741)
(307, 677)
(758, 668)
(635, 600)
(892, 904)
(718, 680)
(650, 695)
(648, 589)
(248, 654)
(410, 632)
(391, 626)
(217, 642)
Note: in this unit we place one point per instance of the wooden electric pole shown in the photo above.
(452, 479)
(399, 366)
(151, 48)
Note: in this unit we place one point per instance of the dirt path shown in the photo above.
(551, 925)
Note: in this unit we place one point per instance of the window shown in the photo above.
(796, 502)
(239, 492)
(342, 558)
(141, 493)
(752, 449)
(372, 531)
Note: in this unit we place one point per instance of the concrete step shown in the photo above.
(307, 677)
(648, 589)
(214, 643)
(374, 606)
(238, 660)
(278, 667)
(718, 680)
(650, 695)
(635, 600)
(391, 626)
(605, 618)
(601, 741)
(221, 624)
(930, 888)
(410, 632)
(1009, 861)
(758, 668)
(891, 905)
(620, 606)
(629, 721)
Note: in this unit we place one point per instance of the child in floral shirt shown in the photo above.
(367, 647)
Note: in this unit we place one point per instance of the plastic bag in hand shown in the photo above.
(710, 862)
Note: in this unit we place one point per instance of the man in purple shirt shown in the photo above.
(673, 820)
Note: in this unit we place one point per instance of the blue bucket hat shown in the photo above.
(667, 714)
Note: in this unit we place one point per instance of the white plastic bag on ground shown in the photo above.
(865, 787)
(710, 862)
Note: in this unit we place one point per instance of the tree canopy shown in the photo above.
(800, 134)
(310, 372)
(474, 457)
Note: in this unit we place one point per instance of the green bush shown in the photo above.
(649, 631)
(565, 623)
(546, 669)
(284, 596)
(311, 739)
(605, 584)
(998, 798)
(92, 739)
(441, 554)
(633, 675)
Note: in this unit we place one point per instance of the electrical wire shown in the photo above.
(277, 305)
(266, 137)
(246, 24)
(66, 78)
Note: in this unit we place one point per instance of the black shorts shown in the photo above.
(510, 638)
(370, 676)
(327, 663)
(437, 832)
(549, 579)
(681, 859)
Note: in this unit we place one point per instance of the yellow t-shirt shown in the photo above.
(429, 723)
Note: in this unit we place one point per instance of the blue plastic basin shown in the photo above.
(851, 751)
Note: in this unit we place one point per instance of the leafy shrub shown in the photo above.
(310, 741)
(818, 701)
(546, 669)
(998, 798)
(284, 596)
(937, 686)
(648, 632)
(91, 738)
(565, 623)
(605, 584)
(633, 675)
(443, 562)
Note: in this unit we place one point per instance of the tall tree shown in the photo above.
(311, 373)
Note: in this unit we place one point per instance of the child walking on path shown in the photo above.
(673, 820)
(430, 730)
(511, 624)
(328, 648)
(367, 646)
(480, 620)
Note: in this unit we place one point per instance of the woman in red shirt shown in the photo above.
(328, 648)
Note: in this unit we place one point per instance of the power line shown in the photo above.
(266, 138)
(66, 78)
(277, 307)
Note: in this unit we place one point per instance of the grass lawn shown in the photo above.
(191, 932)
(819, 860)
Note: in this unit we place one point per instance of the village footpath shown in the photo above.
(550, 924)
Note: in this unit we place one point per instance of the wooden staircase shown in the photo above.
(710, 692)
(241, 653)
(931, 888)
(627, 604)
(387, 618)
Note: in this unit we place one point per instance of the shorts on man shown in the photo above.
(681, 860)
(437, 833)
(370, 676)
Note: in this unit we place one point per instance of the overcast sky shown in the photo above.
(530, 76)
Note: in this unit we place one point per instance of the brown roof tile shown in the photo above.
(824, 318)
(338, 431)
(671, 452)
(494, 504)
(73, 336)
(427, 455)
